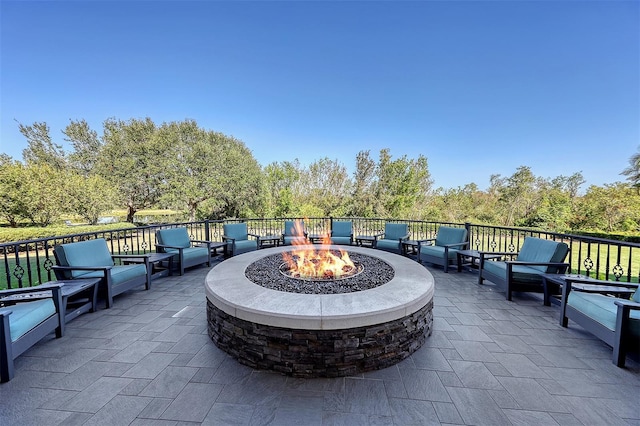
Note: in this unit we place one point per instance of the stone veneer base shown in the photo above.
(319, 353)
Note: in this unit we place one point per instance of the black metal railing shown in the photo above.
(28, 263)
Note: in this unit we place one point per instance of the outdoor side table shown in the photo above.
(70, 288)
(316, 238)
(155, 263)
(410, 246)
(270, 241)
(559, 280)
(365, 240)
(473, 257)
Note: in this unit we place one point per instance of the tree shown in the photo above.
(13, 190)
(633, 171)
(612, 207)
(89, 196)
(363, 195)
(134, 160)
(281, 183)
(44, 196)
(86, 146)
(402, 185)
(40, 149)
(325, 184)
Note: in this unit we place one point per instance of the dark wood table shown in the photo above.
(78, 296)
(270, 241)
(410, 246)
(473, 257)
(155, 262)
(365, 240)
(586, 283)
(316, 238)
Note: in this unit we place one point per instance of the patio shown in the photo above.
(149, 361)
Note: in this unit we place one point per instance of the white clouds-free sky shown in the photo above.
(477, 87)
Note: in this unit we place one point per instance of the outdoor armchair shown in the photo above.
(187, 252)
(294, 232)
(615, 321)
(236, 235)
(342, 232)
(443, 249)
(92, 259)
(392, 237)
(536, 257)
(24, 321)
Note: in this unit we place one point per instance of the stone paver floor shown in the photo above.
(148, 361)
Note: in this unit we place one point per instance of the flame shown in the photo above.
(307, 262)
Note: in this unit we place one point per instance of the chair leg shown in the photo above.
(619, 343)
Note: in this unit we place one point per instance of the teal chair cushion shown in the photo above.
(190, 253)
(84, 253)
(602, 309)
(289, 240)
(27, 315)
(438, 251)
(243, 246)
(395, 231)
(176, 237)
(520, 272)
(389, 245)
(341, 240)
(289, 227)
(636, 296)
(237, 231)
(539, 250)
(119, 273)
(447, 235)
(341, 229)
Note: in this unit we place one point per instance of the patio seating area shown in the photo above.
(148, 360)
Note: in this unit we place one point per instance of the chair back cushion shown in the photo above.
(636, 296)
(395, 231)
(176, 237)
(448, 235)
(237, 231)
(84, 253)
(341, 228)
(290, 227)
(538, 250)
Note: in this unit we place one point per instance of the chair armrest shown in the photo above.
(635, 306)
(171, 247)
(456, 244)
(501, 253)
(225, 238)
(136, 256)
(26, 290)
(594, 281)
(525, 263)
(82, 268)
(202, 241)
(254, 235)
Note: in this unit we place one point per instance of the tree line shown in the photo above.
(137, 164)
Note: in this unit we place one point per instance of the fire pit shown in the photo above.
(268, 317)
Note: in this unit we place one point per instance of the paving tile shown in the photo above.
(477, 407)
(170, 382)
(473, 351)
(526, 418)
(424, 385)
(412, 412)
(121, 410)
(475, 375)
(520, 366)
(366, 396)
(447, 413)
(530, 395)
(229, 414)
(431, 359)
(258, 389)
(135, 352)
(97, 395)
(150, 366)
(193, 403)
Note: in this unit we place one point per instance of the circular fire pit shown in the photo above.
(311, 335)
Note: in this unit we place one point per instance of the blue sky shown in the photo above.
(478, 87)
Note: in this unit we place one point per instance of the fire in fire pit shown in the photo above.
(307, 262)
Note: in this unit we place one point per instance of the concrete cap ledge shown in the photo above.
(229, 290)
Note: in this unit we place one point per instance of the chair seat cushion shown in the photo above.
(437, 251)
(341, 240)
(120, 273)
(243, 246)
(393, 245)
(288, 240)
(27, 315)
(191, 253)
(602, 309)
(521, 273)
